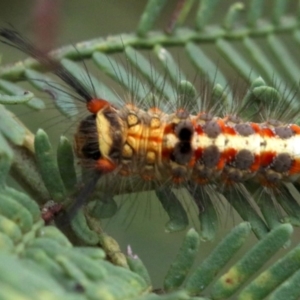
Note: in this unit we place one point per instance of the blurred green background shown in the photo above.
(140, 223)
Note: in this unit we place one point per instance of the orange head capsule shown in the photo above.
(105, 165)
(95, 105)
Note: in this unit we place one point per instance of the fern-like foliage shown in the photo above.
(38, 261)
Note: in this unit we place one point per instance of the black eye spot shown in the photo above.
(185, 134)
(182, 153)
(185, 148)
(184, 131)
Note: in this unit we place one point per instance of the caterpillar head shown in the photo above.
(99, 139)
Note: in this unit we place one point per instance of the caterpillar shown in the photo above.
(201, 149)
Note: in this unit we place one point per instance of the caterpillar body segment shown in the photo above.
(184, 147)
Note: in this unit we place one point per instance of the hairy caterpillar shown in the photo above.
(193, 147)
